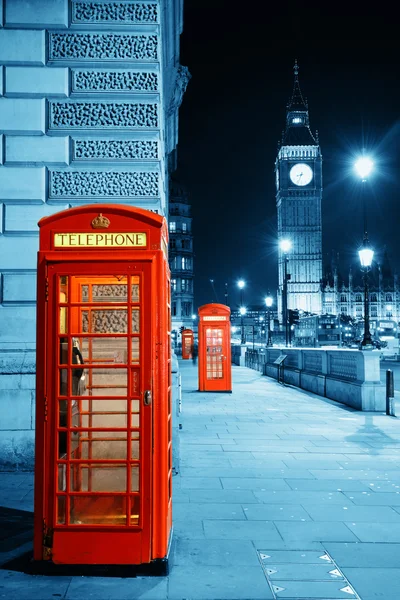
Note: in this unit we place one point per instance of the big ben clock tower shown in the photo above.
(298, 170)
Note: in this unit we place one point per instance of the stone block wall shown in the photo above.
(89, 99)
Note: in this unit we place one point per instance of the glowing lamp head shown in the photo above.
(233, 329)
(194, 317)
(285, 245)
(241, 284)
(268, 301)
(242, 310)
(364, 167)
(366, 255)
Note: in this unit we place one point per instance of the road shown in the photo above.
(393, 366)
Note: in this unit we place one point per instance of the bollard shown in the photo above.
(389, 393)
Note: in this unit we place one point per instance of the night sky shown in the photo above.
(241, 61)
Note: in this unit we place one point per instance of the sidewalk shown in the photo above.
(280, 494)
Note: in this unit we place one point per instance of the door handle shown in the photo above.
(147, 398)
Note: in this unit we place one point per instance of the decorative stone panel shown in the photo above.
(114, 81)
(120, 184)
(122, 13)
(102, 46)
(343, 366)
(312, 362)
(100, 115)
(115, 150)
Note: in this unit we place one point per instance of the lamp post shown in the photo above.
(285, 246)
(268, 302)
(364, 167)
(242, 310)
(366, 255)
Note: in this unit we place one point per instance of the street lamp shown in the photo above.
(241, 285)
(242, 311)
(366, 255)
(285, 246)
(269, 302)
(364, 166)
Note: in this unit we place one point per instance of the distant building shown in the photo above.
(298, 170)
(346, 296)
(180, 259)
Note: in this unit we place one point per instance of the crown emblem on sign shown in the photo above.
(100, 222)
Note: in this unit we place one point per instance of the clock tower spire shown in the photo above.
(298, 169)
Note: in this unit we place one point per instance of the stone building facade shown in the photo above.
(89, 99)
(346, 295)
(181, 260)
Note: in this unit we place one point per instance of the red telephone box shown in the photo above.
(103, 470)
(215, 348)
(187, 343)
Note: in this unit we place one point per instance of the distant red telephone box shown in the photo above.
(215, 348)
(103, 469)
(187, 343)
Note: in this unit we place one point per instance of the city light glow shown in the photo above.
(242, 310)
(241, 284)
(364, 166)
(269, 301)
(366, 255)
(285, 245)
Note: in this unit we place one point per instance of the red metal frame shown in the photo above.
(124, 542)
(215, 348)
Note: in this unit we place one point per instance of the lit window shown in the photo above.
(184, 226)
(185, 263)
(173, 285)
(172, 226)
(297, 120)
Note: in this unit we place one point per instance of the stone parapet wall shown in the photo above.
(351, 377)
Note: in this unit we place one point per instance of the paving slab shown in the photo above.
(321, 531)
(376, 532)
(372, 498)
(350, 512)
(18, 586)
(275, 512)
(374, 555)
(241, 530)
(218, 582)
(375, 583)
(215, 553)
(328, 485)
(193, 511)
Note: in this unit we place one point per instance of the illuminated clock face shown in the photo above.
(301, 174)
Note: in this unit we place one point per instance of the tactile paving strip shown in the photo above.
(305, 575)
